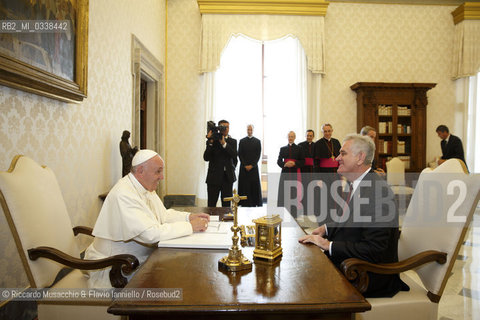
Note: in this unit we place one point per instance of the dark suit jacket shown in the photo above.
(452, 149)
(221, 159)
(295, 152)
(376, 241)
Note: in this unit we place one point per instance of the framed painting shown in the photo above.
(44, 47)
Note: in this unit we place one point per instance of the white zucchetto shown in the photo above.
(143, 155)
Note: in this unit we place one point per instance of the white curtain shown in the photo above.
(473, 119)
(238, 83)
(466, 49)
(218, 28)
(466, 64)
(314, 86)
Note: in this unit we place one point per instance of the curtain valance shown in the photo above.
(218, 28)
(466, 50)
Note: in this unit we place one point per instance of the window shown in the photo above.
(263, 83)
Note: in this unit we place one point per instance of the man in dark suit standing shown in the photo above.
(290, 159)
(451, 145)
(365, 224)
(249, 152)
(222, 159)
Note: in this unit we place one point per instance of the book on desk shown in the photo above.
(217, 236)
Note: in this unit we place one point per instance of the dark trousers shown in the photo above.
(214, 190)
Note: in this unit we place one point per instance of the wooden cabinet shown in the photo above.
(397, 111)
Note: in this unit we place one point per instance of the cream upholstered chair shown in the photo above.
(429, 234)
(396, 180)
(396, 176)
(34, 208)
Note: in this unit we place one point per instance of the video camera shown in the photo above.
(217, 131)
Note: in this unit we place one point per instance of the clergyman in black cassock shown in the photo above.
(249, 153)
(326, 150)
(308, 175)
(290, 159)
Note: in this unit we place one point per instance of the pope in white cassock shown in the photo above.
(133, 218)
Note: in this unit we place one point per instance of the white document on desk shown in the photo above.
(217, 236)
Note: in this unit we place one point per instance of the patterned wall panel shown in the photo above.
(388, 43)
(80, 142)
(185, 101)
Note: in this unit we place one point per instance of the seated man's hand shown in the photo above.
(199, 224)
(321, 231)
(316, 240)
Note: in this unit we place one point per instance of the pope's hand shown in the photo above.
(199, 224)
(199, 215)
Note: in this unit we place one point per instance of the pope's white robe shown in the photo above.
(132, 221)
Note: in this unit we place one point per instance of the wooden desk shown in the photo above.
(304, 284)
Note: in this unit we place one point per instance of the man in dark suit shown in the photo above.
(222, 159)
(290, 159)
(365, 224)
(249, 152)
(451, 145)
(369, 131)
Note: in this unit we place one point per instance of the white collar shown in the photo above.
(357, 181)
(137, 185)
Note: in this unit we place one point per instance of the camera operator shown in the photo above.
(221, 154)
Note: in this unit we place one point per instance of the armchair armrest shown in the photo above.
(82, 229)
(121, 262)
(355, 270)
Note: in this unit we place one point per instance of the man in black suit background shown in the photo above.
(365, 224)
(451, 145)
(249, 153)
(222, 159)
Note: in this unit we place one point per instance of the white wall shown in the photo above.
(80, 142)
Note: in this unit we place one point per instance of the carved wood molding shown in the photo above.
(279, 7)
(467, 11)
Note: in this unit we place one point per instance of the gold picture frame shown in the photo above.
(25, 76)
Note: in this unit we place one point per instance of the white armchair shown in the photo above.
(434, 228)
(34, 208)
